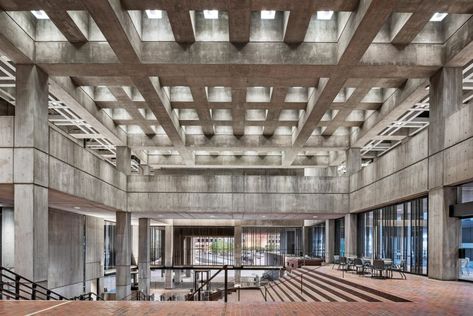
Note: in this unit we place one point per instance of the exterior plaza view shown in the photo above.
(238, 157)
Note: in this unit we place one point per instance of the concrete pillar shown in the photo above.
(329, 240)
(350, 235)
(444, 235)
(353, 162)
(123, 159)
(31, 173)
(237, 240)
(446, 97)
(306, 240)
(144, 265)
(168, 254)
(177, 276)
(8, 238)
(145, 170)
(123, 241)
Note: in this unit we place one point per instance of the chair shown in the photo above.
(401, 267)
(336, 261)
(343, 265)
(378, 266)
(358, 265)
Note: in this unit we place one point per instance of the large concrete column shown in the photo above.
(446, 97)
(350, 235)
(353, 163)
(144, 266)
(306, 241)
(168, 254)
(444, 235)
(31, 173)
(329, 240)
(237, 240)
(124, 159)
(123, 254)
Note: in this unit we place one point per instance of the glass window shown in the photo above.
(109, 245)
(466, 246)
(258, 250)
(397, 232)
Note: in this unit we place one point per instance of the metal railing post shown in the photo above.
(33, 292)
(17, 287)
(301, 283)
(226, 283)
(265, 294)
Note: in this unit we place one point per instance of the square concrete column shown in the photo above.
(123, 241)
(350, 235)
(31, 173)
(237, 251)
(168, 254)
(123, 161)
(353, 162)
(446, 98)
(306, 240)
(144, 265)
(329, 240)
(444, 235)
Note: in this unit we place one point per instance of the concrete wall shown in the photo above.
(6, 148)
(66, 253)
(240, 194)
(72, 168)
(76, 171)
(401, 174)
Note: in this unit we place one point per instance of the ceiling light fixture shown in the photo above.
(154, 14)
(438, 17)
(324, 15)
(76, 207)
(40, 14)
(315, 216)
(211, 14)
(268, 14)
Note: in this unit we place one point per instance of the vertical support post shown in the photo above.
(144, 266)
(123, 159)
(168, 256)
(329, 240)
(237, 240)
(226, 282)
(123, 254)
(31, 174)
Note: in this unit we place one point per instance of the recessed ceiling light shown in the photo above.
(438, 17)
(315, 216)
(76, 207)
(268, 14)
(324, 15)
(211, 14)
(40, 14)
(154, 14)
(264, 216)
(212, 216)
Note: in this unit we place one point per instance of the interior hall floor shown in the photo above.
(426, 296)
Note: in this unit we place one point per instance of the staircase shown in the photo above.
(307, 284)
(16, 287)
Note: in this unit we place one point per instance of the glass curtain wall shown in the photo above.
(269, 245)
(109, 245)
(397, 232)
(339, 247)
(318, 241)
(466, 264)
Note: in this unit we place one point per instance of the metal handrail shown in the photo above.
(21, 288)
(204, 284)
(22, 284)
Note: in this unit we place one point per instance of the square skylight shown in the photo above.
(324, 15)
(154, 14)
(40, 14)
(211, 14)
(268, 14)
(438, 17)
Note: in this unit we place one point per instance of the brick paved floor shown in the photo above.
(429, 297)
